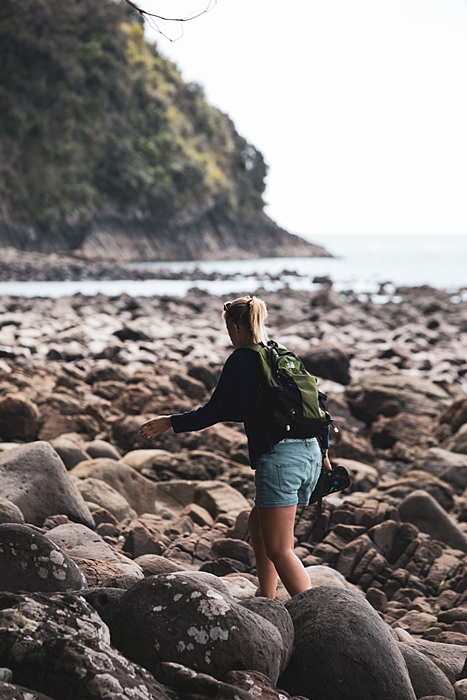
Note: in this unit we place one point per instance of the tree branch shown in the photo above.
(151, 17)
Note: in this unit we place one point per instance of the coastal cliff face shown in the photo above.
(211, 232)
(107, 151)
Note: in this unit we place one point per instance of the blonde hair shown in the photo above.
(248, 312)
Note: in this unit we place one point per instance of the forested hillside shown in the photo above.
(106, 151)
(92, 116)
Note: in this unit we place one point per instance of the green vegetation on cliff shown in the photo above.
(93, 117)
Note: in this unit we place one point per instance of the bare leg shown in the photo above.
(265, 569)
(271, 531)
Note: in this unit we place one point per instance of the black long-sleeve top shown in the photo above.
(235, 398)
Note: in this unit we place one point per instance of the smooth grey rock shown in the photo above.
(343, 650)
(384, 392)
(448, 466)
(35, 479)
(278, 615)
(99, 492)
(183, 618)
(10, 513)
(102, 448)
(30, 561)
(58, 644)
(136, 489)
(82, 543)
(152, 564)
(426, 677)
(424, 511)
(69, 452)
(450, 658)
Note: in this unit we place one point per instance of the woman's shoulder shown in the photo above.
(243, 357)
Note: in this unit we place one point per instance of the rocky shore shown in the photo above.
(126, 569)
(16, 266)
(209, 232)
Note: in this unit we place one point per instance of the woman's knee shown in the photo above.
(277, 551)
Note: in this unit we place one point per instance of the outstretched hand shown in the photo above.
(155, 427)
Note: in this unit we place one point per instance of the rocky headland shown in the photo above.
(210, 232)
(126, 569)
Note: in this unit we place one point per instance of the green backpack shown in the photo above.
(290, 398)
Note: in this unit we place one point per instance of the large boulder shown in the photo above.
(136, 489)
(70, 449)
(278, 615)
(101, 493)
(448, 466)
(58, 645)
(81, 543)
(421, 509)
(343, 650)
(415, 480)
(450, 658)
(383, 392)
(192, 619)
(328, 362)
(426, 677)
(173, 496)
(9, 513)
(20, 418)
(220, 498)
(102, 448)
(34, 478)
(403, 427)
(30, 561)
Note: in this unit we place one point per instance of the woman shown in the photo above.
(286, 470)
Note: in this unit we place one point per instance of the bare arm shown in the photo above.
(155, 427)
(326, 462)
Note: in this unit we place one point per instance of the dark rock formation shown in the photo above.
(388, 393)
(425, 676)
(65, 650)
(328, 362)
(182, 618)
(343, 650)
(278, 615)
(207, 233)
(35, 479)
(421, 509)
(30, 561)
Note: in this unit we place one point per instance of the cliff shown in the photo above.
(106, 151)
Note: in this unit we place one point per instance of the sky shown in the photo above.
(359, 107)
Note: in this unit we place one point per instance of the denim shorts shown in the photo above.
(287, 475)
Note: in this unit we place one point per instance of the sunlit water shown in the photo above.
(361, 263)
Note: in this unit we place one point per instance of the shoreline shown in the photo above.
(129, 517)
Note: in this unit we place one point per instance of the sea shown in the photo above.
(371, 265)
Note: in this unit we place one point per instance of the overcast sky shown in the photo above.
(358, 106)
